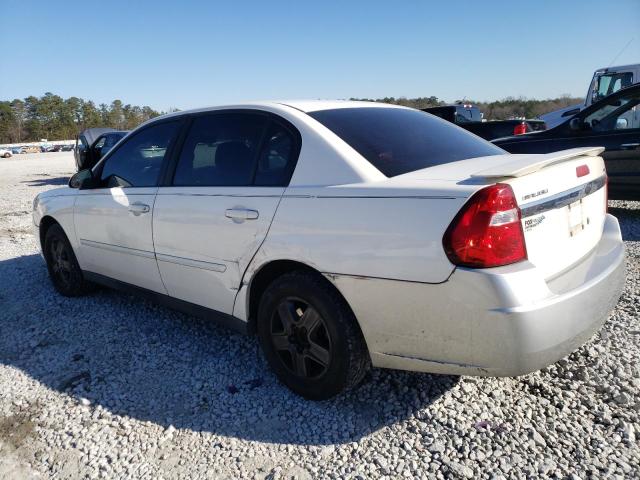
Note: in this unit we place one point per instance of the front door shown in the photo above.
(228, 181)
(615, 125)
(113, 221)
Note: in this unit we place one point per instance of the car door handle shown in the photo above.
(139, 208)
(629, 146)
(241, 214)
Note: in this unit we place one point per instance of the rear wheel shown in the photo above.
(62, 264)
(310, 336)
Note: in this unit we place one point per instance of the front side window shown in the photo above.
(137, 162)
(616, 114)
(400, 140)
(220, 150)
(111, 140)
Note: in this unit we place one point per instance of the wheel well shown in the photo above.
(45, 223)
(263, 278)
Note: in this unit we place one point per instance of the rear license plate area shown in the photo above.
(575, 218)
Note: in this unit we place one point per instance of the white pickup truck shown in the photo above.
(605, 82)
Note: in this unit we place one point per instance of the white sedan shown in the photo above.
(5, 153)
(346, 235)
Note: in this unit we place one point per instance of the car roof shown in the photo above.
(305, 106)
(617, 68)
(317, 105)
(91, 134)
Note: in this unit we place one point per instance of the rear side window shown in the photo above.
(100, 143)
(220, 150)
(137, 162)
(277, 157)
(398, 140)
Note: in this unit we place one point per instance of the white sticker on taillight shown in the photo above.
(502, 218)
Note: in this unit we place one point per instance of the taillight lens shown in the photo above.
(487, 232)
(582, 170)
(520, 129)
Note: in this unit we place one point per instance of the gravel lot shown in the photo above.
(110, 386)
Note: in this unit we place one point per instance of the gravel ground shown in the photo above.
(110, 386)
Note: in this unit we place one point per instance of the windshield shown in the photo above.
(401, 140)
(606, 84)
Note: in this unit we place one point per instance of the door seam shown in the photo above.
(153, 240)
(275, 212)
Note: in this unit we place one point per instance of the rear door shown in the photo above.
(113, 221)
(210, 220)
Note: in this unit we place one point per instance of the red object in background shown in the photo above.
(520, 128)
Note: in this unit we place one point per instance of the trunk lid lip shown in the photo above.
(485, 170)
(520, 165)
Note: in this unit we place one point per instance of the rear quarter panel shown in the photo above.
(351, 234)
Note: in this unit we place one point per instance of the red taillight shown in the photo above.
(582, 170)
(487, 232)
(520, 129)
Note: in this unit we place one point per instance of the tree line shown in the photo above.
(505, 109)
(55, 118)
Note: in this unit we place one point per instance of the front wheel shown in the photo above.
(63, 267)
(310, 337)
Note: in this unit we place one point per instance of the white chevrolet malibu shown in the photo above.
(346, 235)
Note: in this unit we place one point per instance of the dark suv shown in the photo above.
(93, 144)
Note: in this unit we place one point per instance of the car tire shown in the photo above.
(63, 267)
(310, 336)
(7, 155)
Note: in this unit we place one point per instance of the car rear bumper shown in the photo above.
(503, 321)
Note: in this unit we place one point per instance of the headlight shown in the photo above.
(36, 201)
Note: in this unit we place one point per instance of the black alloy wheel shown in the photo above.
(63, 267)
(310, 337)
(300, 338)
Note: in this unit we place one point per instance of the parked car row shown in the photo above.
(470, 118)
(37, 149)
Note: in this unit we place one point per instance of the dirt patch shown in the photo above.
(16, 429)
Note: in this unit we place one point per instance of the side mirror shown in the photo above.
(575, 124)
(83, 179)
(621, 123)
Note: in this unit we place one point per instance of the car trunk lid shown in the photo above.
(561, 195)
(562, 199)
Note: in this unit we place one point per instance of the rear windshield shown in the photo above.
(398, 140)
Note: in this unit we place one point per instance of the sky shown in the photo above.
(187, 54)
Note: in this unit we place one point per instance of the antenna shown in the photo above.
(621, 51)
